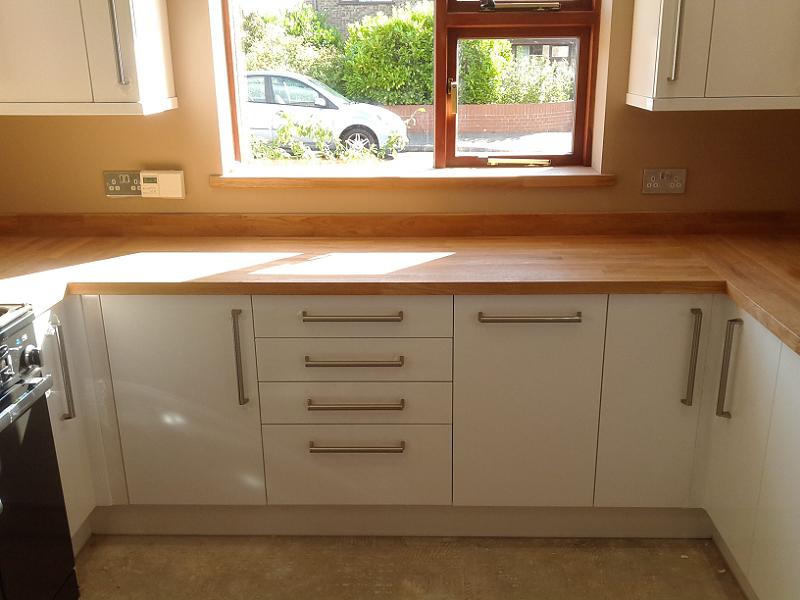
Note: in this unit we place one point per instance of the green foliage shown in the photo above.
(388, 59)
(299, 41)
(312, 140)
(482, 64)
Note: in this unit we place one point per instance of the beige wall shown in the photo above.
(736, 160)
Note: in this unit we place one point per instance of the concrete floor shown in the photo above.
(302, 568)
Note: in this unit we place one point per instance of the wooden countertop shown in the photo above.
(761, 274)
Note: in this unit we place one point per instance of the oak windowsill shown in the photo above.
(429, 179)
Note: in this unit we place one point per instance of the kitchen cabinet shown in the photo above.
(61, 337)
(773, 571)
(186, 392)
(652, 383)
(706, 55)
(739, 391)
(85, 57)
(526, 399)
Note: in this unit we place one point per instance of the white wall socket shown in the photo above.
(664, 181)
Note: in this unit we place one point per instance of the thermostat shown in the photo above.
(162, 184)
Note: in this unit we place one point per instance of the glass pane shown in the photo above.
(346, 82)
(516, 96)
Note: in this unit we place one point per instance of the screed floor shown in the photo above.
(326, 568)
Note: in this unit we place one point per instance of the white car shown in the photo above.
(271, 95)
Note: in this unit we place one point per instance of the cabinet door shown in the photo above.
(755, 49)
(776, 551)
(69, 415)
(652, 382)
(186, 439)
(526, 400)
(737, 444)
(42, 52)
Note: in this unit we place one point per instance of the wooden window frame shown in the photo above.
(463, 19)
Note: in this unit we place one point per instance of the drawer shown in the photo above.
(353, 316)
(354, 359)
(359, 402)
(341, 470)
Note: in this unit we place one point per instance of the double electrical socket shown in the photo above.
(664, 181)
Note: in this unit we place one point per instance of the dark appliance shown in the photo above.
(36, 561)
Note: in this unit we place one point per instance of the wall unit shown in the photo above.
(85, 57)
(706, 55)
(186, 394)
(526, 399)
(652, 384)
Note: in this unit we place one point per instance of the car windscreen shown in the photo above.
(329, 91)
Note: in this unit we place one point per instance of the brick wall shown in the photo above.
(498, 118)
(339, 13)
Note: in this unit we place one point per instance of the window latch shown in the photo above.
(518, 162)
(452, 93)
(492, 5)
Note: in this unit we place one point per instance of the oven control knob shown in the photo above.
(31, 357)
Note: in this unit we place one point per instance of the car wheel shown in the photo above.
(359, 138)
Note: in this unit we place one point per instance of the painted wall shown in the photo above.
(737, 160)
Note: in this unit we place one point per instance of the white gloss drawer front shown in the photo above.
(353, 316)
(358, 464)
(356, 402)
(354, 359)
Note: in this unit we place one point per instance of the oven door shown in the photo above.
(36, 560)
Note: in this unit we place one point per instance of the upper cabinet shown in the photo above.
(706, 55)
(85, 57)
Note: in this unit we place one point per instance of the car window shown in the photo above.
(293, 92)
(256, 90)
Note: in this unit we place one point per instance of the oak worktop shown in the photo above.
(760, 273)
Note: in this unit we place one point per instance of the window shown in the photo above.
(412, 83)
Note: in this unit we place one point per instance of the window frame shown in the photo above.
(463, 19)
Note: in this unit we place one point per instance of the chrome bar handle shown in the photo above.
(237, 353)
(307, 318)
(490, 5)
(726, 366)
(310, 405)
(121, 76)
(58, 331)
(484, 318)
(309, 362)
(696, 329)
(314, 449)
(676, 47)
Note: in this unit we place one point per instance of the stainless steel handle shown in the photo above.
(696, 328)
(726, 366)
(65, 376)
(399, 362)
(354, 406)
(676, 46)
(484, 318)
(314, 449)
(307, 318)
(518, 162)
(237, 353)
(121, 76)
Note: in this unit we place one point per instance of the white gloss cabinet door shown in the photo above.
(42, 52)
(186, 439)
(774, 570)
(526, 400)
(69, 415)
(737, 444)
(652, 382)
(755, 49)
